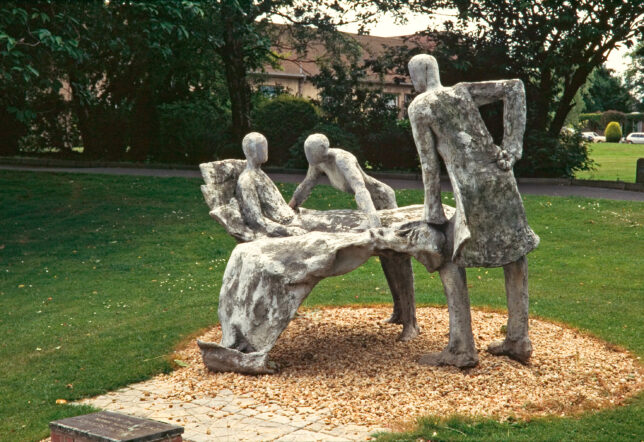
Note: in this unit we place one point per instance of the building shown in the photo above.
(293, 75)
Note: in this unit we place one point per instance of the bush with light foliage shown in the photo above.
(613, 132)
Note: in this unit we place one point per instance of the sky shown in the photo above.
(386, 27)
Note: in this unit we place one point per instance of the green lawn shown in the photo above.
(102, 276)
(615, 162)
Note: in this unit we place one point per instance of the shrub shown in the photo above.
(391, 148)
(591, 121)
(337, 138)
(612, 115)
(613, 132)
(544, 156)
(191, 131)
(282, 120)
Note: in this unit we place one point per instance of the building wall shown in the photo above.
(302, 87)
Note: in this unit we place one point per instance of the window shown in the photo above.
(271, 90)
(391, 101)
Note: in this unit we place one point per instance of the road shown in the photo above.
(531, 188)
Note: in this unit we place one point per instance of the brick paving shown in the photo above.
(227, 417)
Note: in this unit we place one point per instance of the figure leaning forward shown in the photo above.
(346, 175)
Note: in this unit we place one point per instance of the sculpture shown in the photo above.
(285, 253)
(490, 227)
(262, 206)
(345, 174)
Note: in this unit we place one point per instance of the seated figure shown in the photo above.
(262, 205)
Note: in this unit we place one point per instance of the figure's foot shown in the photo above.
(409, 332)
(446, 357)
(519, 350)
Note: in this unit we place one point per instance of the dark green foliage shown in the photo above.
(192, 131)
(613, 132)
(635, 75)
(391, 148)
(591, 121)
(283, 120)
(544, 156)
(597, 121)
(31, 37)
(612, 115)
(553, 48)
(337, 138)
(348, 102)
(606, 91)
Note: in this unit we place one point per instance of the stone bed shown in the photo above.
(341, 375)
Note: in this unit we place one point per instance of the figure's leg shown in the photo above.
(400, 277)
(460, 350)
(517, 342)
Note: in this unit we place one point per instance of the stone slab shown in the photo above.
(107, 426)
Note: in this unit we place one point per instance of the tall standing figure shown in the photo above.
(490, 226)
(345, 174)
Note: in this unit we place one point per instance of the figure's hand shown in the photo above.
(504, 159)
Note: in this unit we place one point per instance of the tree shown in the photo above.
(553, 46)
(138, 56)
(118, 59)
(243, 35)
(606, 91)
(32, 34)
(635, 75)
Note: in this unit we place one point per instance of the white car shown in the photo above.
(592, 136)
(635, 138)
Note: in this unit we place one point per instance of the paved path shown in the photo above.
(226, 417)
(525, 188)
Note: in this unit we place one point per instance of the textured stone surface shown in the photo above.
(490, 228)
(345, 174)
(244, 199)
(266, 281)
(111, 426)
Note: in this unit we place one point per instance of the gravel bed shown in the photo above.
(346, 362)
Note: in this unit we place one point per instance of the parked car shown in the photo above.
(592, 137)
(635, 138)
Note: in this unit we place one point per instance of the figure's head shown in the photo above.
(316, 148)
(423, 70)
(255, 148)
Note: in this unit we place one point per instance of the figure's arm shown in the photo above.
(304, 189)
(430, 167)
(512, 93)
(352, 173)
(251, 209)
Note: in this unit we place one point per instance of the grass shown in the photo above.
(102, 276)
(615, 162)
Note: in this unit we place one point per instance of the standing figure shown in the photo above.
(490, 227)
(345, 174)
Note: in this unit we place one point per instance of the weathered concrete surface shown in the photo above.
(265, 281)
(248, 204)
(344, 173)
(490, 228)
